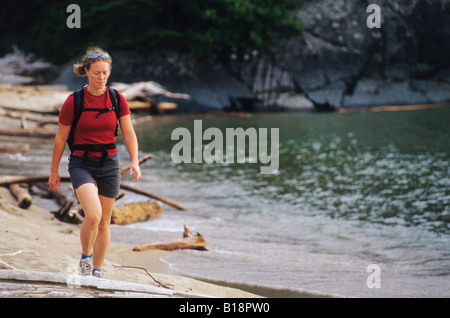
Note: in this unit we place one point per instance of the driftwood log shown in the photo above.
(146, 90)
(136, 212)
(392, 108)
(153, 196)
(70, 209)
(30, 132)
(22, 195)
(140, 96)
(24, 115)
(14, 147)
(141, 160)
(189, 241)
(7, 180)
(70, 212)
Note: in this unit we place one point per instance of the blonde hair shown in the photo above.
(80, 68)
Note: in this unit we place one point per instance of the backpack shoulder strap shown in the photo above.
(78, 105)
(115, 100)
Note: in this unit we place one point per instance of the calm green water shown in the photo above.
(351, 190)
(389, 168)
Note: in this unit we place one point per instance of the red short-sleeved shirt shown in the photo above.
(91, 130)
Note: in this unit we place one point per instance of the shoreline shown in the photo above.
(123, 234)
(33, 240)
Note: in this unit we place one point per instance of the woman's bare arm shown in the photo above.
(58, 149)
(132, 144)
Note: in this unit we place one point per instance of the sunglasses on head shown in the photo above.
(97, 55)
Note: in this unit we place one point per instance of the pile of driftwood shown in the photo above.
(41, 104)
(38, 130)
(24, 187)
(71, 210)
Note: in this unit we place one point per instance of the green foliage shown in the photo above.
(215, 29)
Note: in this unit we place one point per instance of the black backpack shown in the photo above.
(78, 108)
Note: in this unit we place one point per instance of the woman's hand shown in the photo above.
(54, 181)
(135, 167)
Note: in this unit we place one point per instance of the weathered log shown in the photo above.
(189, 241)
(14, 148)
(70, 212)
(7, 180)
(22, 195)
(153, 196)
(52, 111)
(141, 160)
(136, 106)
(29, 116)
(31, 132)
(145, 90)
(136, 212)
(392, 108)
(166, 106)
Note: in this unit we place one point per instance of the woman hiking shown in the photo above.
(88, 123)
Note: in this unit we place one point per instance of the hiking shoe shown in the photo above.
(97, 273)
(85, 266)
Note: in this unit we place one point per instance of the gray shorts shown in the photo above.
(106, 178)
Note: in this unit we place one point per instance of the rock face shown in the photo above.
(338, 61)
(211, 86)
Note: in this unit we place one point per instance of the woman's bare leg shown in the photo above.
(88, 196)
(104, 234)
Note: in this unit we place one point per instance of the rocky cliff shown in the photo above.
(338, 61)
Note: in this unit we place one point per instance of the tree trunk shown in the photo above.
(141, 160)
(136, 212)
(153, 196)
(7, 180)
(70, 210)
(22, 195)
(37, 132)
(189, 241)
(14, 147)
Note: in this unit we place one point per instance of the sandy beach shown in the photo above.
(33, 240)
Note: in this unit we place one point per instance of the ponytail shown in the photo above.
(80, 68)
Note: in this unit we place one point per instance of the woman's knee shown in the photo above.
(103, 225)
(92, 218)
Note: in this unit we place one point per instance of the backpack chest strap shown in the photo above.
(99, 110)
